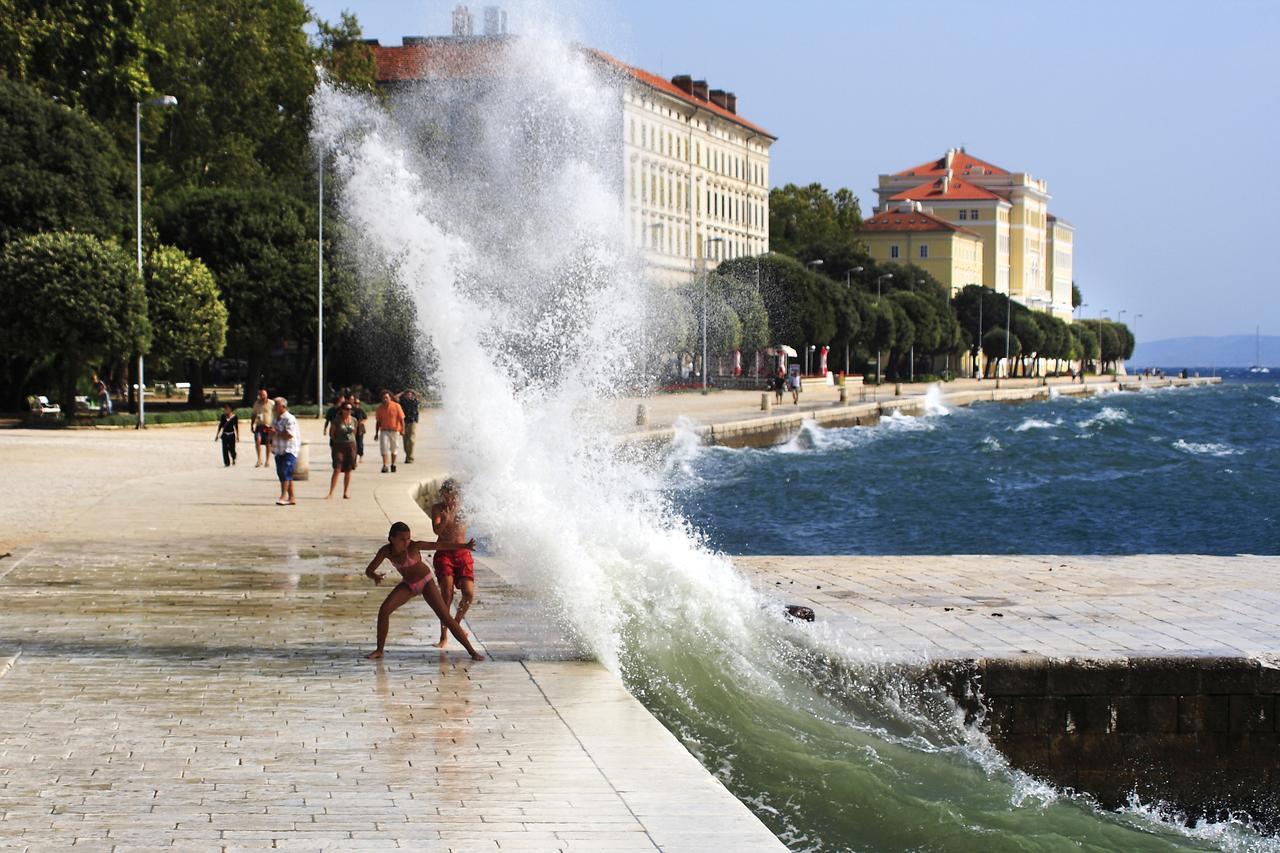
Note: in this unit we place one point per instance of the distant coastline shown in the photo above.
(1203, 351)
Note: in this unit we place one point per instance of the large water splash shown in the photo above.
(496, 201)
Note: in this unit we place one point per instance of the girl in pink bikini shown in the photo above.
(405, 555)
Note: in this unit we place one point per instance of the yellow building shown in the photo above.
(910, 234)
(1009, 210)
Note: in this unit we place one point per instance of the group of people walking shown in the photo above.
(277, 436)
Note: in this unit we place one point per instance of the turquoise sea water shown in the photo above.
(1168, 471)
(837, 753)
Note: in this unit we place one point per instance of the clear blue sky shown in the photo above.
(1156, 124)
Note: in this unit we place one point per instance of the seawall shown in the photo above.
(779, 425)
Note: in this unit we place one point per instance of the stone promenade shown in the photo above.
(181, 665)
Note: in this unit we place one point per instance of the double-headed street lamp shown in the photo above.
(849, 287)
(705, 276)
(159, 101)
(879, 279)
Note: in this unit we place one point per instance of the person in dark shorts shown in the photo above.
(408, 400)
(342, 448)
(229, 432)
(779, 382)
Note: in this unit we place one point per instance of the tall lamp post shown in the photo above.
(1008, 330)
(849, 287)
(705, 276)
(813, 265)
(320, 290)
(978, 353)
(159, 101)
(879, 279)
(654, 229)
(1134, 331)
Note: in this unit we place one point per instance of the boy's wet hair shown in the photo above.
(449, 485)
(398, 527)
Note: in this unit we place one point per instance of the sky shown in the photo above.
(1155, 124)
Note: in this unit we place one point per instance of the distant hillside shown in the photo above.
(1229, 351)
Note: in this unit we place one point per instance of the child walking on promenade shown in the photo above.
(454, 566)
(405, 555)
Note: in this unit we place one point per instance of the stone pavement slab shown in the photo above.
(215, 697)
(961, 607)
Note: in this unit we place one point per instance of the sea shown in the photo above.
(1175, 470)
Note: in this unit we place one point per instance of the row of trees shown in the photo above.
(231, 251)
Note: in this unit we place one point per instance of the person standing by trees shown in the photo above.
(229, 432)
(388, 421)
(260, 423)
(286, 444)
(408, 400)
(342, 449)
(357, 412)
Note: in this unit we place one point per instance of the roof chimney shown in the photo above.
(717, 98)
(683, 82)
(946, 182)
(731, 102)
(951, 155)
(700, 89)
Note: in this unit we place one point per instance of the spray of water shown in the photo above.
(495, 201)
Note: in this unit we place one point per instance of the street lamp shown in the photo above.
(1008, 322)
(705, 276)
(159, 101)
(978, 352)
(320, 289)
(849, 287)
(1134, 332)
(879, 279)
(814, 263)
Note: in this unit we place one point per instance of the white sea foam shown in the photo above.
(1274, 399)
(933, 405)
(1036, 423)
(1107, 415)
(1206, 448)
(991, 443)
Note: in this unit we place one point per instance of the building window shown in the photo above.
(964, 214)
(973, 214)
(893, 252)
(924, 252)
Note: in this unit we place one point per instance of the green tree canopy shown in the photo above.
(812, 223)
(993, 346)
(258, 245)
(1076, 298)
(58, 169)
(342, 52)
(798, 302)
(74, 298)
(243, 72)
(188, 319)
(88, 54)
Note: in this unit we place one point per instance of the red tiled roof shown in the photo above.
(957, 190)
(669, 88)
(474, 57)
(961, 164)
(895, 221)
(433, 58)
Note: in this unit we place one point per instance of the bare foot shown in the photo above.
(346, 497)
(441, 644)
(376, 654)
(293, 503)
(330, 496)
(477, 656)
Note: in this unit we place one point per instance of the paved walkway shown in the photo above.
(906, 608)
(181, 665)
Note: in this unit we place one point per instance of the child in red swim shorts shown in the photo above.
(454, 568)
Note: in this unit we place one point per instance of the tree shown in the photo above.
(796, 300)
(1086, 342)
(882, 326)
(58, 169)
(188, 319)
(1076, 298)
(73, 299)
(811, 223)
(926, 329)
(86, 54)
(259, 247)
(993, 347)
(1029, 335)
(243, 72)
(342, 52)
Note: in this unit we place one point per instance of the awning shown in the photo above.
(782, 349)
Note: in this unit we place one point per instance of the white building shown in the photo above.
(696, 174)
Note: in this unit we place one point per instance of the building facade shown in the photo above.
(908, 235)
(695, 174)
(1025, 253)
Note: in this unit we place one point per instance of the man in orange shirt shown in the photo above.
(389, 426)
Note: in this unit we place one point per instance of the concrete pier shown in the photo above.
(1156, 674)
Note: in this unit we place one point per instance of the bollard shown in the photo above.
(766, 402)
(642, 415)
(897, 389)
(844, 394)
(302, 470)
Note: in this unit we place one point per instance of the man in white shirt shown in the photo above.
(286, 444)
